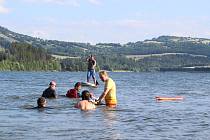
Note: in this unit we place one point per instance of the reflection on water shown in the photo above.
(110, 117)
(137, 116)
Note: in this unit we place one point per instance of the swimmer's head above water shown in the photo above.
(41, 102)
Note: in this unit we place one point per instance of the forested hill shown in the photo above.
(147, 55)
(24, 57)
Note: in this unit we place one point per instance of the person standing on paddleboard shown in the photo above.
(91, 69)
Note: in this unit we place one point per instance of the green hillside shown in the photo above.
(147, 55)
(24, 57)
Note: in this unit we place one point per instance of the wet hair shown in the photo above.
(77, 84)
(85, 95)
(41, 102)
(52, 83)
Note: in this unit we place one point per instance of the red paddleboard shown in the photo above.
(159, 98)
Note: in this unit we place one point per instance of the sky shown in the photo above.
(106, 21)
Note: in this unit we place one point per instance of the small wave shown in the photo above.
(13, 97)
(119, 110)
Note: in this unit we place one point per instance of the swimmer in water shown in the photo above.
(85, 104)
(41, 102)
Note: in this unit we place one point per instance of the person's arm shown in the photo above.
(87, 59)
(103, 94)
(93, 106)
(77, 105)
(92, 95)
(55, 95)
(94, 65)
(43, 93)
(79, 94)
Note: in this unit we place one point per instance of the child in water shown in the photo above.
(41, 102)
(50, 91)
(85, 104)
(74, 93)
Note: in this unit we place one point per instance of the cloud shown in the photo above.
(116, 31)
(59, 2)
(94, 2)
(63, 2)
(2, 8)
(133, 30)
(75, 3)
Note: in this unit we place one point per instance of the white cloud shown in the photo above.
(95, 2)
(60, 2)
(135, 30)
(63, 2)
(2, 8)
(118, 31)
(75, 3)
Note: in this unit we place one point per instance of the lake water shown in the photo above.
(137, 116)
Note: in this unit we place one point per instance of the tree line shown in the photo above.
(24, 57)
(36, 56)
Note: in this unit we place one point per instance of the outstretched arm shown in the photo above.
(103, 94)
(87, 59)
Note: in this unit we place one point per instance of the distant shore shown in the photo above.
(203, 68)
(121, 71)
(181, 69)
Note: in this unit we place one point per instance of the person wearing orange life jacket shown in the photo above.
(109, 93)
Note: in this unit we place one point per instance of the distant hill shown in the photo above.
(24, 57)
(148, 55)
(162, 44)
(52, 46)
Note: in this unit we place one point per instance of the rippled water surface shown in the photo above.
(137, 116)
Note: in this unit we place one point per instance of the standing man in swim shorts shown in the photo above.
(91, 69)
(109, 93)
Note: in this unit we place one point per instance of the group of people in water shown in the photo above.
(89, 101)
